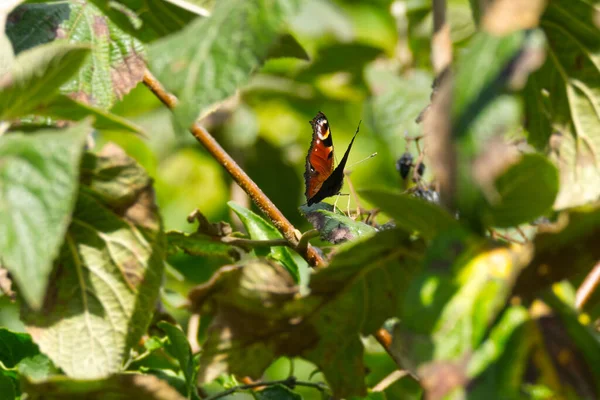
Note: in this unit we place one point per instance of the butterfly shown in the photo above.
(321, 179)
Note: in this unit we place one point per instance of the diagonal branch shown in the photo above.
(265, 204)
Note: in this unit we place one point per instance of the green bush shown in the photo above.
(462, 264)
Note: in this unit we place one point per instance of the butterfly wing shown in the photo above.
(319, 160)
(334, 182)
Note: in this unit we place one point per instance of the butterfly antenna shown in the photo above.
(363, 160)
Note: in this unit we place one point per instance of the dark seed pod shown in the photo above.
(403, 164)
(420, 169)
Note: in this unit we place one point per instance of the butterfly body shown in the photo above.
(321, 178)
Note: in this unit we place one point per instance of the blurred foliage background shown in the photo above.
(366, 61)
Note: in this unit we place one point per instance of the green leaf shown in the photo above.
(20, 356)
(395, 104)
(106, 279)
(198, 244)
(334, 227)
(211, 58)
(257, 318)
(410, 213)
(118, 387)
(500, 362)
(571, 241)
(36, 76)
(117, 60)
(532, 177)
(179, 348)
(15, 346)
(287, 46)
(140, 18)
(64, 108)
(563, 100)
(259, 229)
(38, 181)
(277, 392)
(449, 308)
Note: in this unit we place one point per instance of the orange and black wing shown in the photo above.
(319, 160)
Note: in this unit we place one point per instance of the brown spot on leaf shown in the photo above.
(100, 26)
(82, 97)
(144, 211)
(126, 75)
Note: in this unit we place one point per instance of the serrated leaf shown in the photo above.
(563, 100)
(255, 307)
(212, 57)
(106, 278)
(259, 229)
(64, 108)
(36, 76)
(179, 348)
(38, 177)
(532, 177)
(139, 18)
(334, 227)
(116, 64)
(198, 244)
(410, 213)
(118, 387)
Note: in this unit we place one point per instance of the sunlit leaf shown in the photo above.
(108, 273)
(562, 99)
(116, 64)
(334, 227)
(259, 229)
(36, 76)
(39, 186)
(212, 57)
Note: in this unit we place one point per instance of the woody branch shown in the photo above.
(265, 204)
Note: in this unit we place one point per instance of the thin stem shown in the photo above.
(290, 382)
(589, 285)
(192, 332)
(265, 204)
(241, 242)
(389, 380)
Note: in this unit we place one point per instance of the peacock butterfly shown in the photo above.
(321, 179)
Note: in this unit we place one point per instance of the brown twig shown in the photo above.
(589, 285)
(290, 382)
(192, 332)
(265, 204)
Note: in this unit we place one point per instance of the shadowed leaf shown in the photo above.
(179, 348)
(257, 319)
(410, 213)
